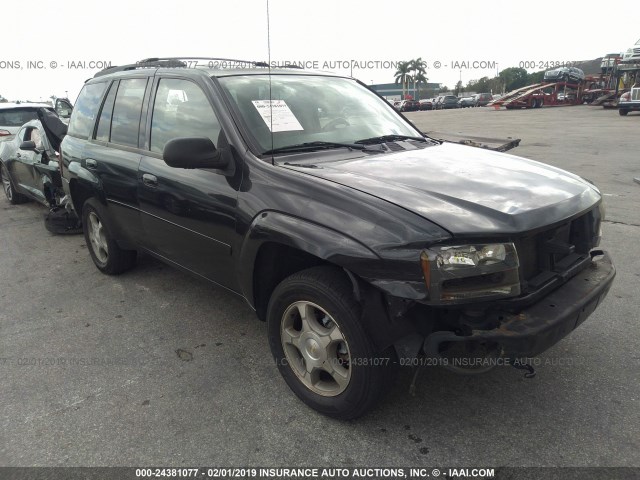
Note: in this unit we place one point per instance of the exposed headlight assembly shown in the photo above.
(455, 274)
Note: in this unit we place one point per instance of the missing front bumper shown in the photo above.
(540, 326)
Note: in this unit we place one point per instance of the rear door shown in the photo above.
(112, 154)
(188, 215)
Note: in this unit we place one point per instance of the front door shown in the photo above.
(188, 215)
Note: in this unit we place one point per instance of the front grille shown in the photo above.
(547, 254)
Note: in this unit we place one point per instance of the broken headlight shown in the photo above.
(466, 272)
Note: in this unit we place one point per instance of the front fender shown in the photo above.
(314, 239)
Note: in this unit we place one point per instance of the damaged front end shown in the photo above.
(61, 218)
(508, 300)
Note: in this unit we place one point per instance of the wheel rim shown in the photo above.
(6, 184)
(316, 349)
(97, 238)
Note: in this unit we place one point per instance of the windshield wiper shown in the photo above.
(310, 146)
(389, 138)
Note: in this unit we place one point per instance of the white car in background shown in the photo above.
(15, 115)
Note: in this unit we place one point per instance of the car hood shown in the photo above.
(465, 190)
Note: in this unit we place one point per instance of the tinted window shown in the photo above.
(125, 121)
(104, 123)
(86, 109)
(181, 109)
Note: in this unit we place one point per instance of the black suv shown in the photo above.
(362, 243)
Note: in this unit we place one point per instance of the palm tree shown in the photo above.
(420, 78)
(417, 66)
(403, 76)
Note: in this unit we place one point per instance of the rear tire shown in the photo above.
(14, 197)
(105, 252)
(623, 112)
(321, 346)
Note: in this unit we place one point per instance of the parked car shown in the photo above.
(30, 170)
(14, 115)
(363, 243)
(564, 74)
(409, 106)
(482, 99)
(632, 54)
(465, 102)
(448, 101)
(630, 101)
(426, 104)
(29, 162)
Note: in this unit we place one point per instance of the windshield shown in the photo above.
(310, 109)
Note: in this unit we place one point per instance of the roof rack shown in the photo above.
(182, 62)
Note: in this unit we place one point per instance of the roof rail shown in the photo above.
(147, 63)
(182, 62)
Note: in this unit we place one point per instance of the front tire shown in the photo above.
(14, 197)
(321, 347)
(105, 252)
(623, 112)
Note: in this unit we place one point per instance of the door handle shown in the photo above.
(18, 155)
(91, 163)
(150, 180)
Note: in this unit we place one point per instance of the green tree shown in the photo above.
(459, 88)
(513, 78)
(2, 99)
(418, 67)
(481, 85)
(403, 76)
(444, 89)
(536, 77)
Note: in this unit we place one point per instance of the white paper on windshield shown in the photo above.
(277, 115)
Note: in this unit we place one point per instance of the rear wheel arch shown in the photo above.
(80, 193)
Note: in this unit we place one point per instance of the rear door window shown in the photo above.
(125, 121)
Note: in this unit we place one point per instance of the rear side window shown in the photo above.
(181, 109)
(125, 121)
(85, 110)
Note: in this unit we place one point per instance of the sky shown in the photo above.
(459, 41)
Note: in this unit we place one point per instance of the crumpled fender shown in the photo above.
(317, 240)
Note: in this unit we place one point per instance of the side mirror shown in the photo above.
(28, 145)
(193, 152)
